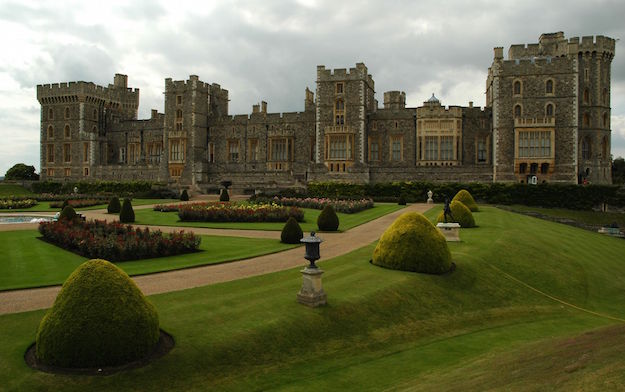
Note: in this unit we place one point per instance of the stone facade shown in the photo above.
(546, 116)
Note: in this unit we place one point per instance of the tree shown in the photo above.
(21, 171)
(618, 171)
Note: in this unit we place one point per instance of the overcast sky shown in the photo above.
(268, 50)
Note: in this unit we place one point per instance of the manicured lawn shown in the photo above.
(44, 206)
(390, 330)
(29, 262)
(346, 221)
(7, 189)
(595, 218)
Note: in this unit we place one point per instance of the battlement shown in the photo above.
(394, 100)
(528, 65)
(599, 44)
(556, 45)
(358, 73)
(178, 85)
(81, 88)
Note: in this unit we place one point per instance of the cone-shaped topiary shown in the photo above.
(327, 220)
(114, 206)
(65, 204)
(68, 213)
(184, 196)
(402, 200)
(127, 214)
(465, 198)
(223, 196)
(99, 318)
(412, 243)
(291, 232)
(461, 215)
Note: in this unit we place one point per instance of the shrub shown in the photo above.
(327, 220)
(114, 206)
(237, 212)
(223, 196)
(461, 214)
(68, 213)
(21, 171)
(75, 203)
(127, 214)
(291, 232)
(13, 203)
(99, 318)
(412, 243)
(465, 198)
(184, 196)
(402, 200)
(63, 205)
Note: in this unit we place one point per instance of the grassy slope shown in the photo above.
(44, 206)
(30, 262)
(589, 217)
(347, 221)
(382, 329)
(7, 189)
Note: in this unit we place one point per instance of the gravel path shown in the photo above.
(335, 244)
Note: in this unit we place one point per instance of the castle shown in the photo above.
(546, 119)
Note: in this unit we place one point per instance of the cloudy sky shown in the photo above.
(268, 50)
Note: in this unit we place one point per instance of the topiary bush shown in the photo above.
(223, 196)
(68, 213)
(99, 318)
(291, 232)
(327, 219)
(412, 243)
(127, 214)
(114, 206)
(65, 204)
(184, 196)
(402, 200)
(461, 214)
(465, 198)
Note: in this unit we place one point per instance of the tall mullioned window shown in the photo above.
(517, 87)
(549, 110)
(233, 150)
(481, 151)
(431, 148)
(50, 153)
(67, 152)
(586, 148)
(176, 150)
(517, 111)
(253, 150)
(549, 87)
(374, 149)
(397, 144)
(340, 147)
(447, 148)
(534, 144)
(179, 120)
(280, 149)
(339, 112)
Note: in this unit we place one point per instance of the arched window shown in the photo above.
(549, 87)
(67, 133)
(544, 168)
(50, 132)
(340, 105)
(67, 112)
(586, 96)
(178, 113)
(95, 114)
(605, 120)
(339, 112)
(549, 110)
(586, 120)
(517, 111)
(517, 87)
(50, 114)
(586, 148)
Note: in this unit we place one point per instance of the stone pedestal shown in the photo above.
(451, 231)
(311, 294)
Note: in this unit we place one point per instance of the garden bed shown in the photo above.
(232, 212)
(116, 242)
(76, 203)
(14, 203)
(318, 203)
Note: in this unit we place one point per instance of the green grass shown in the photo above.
(346, 221)
(30, 262)
(44, 206)
(7, 189)
(390, 330)
(595, 218)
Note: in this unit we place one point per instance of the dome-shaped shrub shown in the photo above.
(461, 214)
(114, 206)
(65, 204)
(184, 196)
(412, 243)
(68, 213)
(99, 318)
(327, 220)
(401, 200)
(223, 196)
(127, 214)
(465, 198)
(291, 232)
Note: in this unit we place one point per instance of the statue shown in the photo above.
(430, 200)
(447, 210)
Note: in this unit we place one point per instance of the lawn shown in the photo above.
(346, 221)
(524, 289)
(30, 262)
(7, 189)
(593, 218)
(44, 206)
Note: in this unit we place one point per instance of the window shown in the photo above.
(396, 148)
(233, 150)
(67, 152)
(586, 74)
(544, 168)
(339, 88)
(252, 149)
(211, 152)
(50, 114)
(85, 171)
(175, 171)
(481, 151)
(533, 168)
(522, 168)
(179, 120)
(586, 96)
(549, 110)
(67, 172)
(604, 96)
(549, 87)
(279, 149)
(50, 172)
(605, 120)
(176, 150)
(447, 148)
(178, 99)
(339, 147)
(517, 87)
(431, 148)
(66, 113)
(586, 120)
(50, 153)
(375, 125)
(534, 144)
(67, 133)
(85, 152)
(396, 124)
(374, 149)
(95, 114)
(604, 148)
(155, 150)
(50, 132)
(586, 148)
(517, 111)
(134, 152)
(339, 112)
(122, 154)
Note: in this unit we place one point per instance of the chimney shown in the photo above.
(154, 113)
(470, 104)
(263, 107)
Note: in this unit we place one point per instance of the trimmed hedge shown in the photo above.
(465, 198)
(237, 212)
(571, 196)
(223, 196)
(114, 206)
(184, 196)
(291, 232)
(92, 186)
(68, 213)
(328, 220)
(461, 214)
(412, 243)
(14, 203)
(127, 214)
(100, 318)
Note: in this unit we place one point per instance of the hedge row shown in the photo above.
(544, 195)
(92, 187)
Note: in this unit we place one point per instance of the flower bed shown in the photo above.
(77, 203)
(15, 203)
(344, 206)
(115, 241)
(166, 207)
(238, 212)
(72, 196)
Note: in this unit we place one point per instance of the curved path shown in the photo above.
(334, 244)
